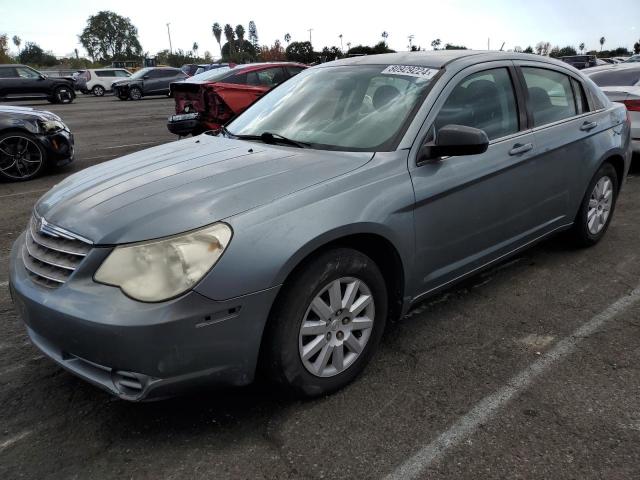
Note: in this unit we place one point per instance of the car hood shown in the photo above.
(184, 185)
(8, 110)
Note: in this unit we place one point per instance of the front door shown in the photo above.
(471, 210)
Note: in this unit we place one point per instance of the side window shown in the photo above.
(484, 100)
(27, 73)
(292, 71)
(239, 79)
(122, 73)
(270, 77)
(550, 95)
(8, 72)
(104, 73)
(582, 106)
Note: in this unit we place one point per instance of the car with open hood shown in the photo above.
(285, 243)
(210, 99)
(31, 141)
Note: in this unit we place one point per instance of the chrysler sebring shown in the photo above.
(284, 243)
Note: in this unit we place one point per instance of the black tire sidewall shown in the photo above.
(283, 358)
(131, 90)
(43, 152)
(58, 99)
(581, 227)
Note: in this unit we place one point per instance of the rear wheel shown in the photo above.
(98, 90)
(21, 156)
(63, 95)
(135, 93)
(597, 207)
(326, 324)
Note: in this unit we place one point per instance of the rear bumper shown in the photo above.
(185, 127)
(134, 350)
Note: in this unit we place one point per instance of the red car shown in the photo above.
(209, 100)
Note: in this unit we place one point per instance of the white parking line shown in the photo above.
(4, 284)
(488, 406)
(10, 441)
(10, 369)
(23, 193)
(130, 145)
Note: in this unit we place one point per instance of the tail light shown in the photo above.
(632, 105)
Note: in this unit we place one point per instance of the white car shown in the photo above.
(99, 80)
(621, 83)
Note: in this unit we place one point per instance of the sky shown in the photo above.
(55, 25)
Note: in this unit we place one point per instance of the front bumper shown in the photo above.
(135, 350)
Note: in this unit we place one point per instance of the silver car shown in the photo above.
(622, 84)
(284, 244)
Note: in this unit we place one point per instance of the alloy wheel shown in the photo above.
(20, 157)
(336, 327)
(600, 204)
(63, 95)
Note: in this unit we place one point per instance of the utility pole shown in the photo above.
(310, 30)
(410, 41)
(169, 33)
(488, 44)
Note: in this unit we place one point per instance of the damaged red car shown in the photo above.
(209, 100)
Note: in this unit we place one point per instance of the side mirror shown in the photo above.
(453, 141)
(42, 76)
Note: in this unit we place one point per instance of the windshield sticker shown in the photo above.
(410, 70)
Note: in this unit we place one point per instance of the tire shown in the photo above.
(135, 93)
(26, 166)
(587, 230)
(98, 91)
(284, 345)
(63, 95)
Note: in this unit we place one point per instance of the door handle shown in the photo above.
(586, 126)
(519, 148)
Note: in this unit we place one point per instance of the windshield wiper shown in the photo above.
(266, 137)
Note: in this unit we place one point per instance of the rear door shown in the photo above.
(153, 84)
(8, 80)
(565, 125)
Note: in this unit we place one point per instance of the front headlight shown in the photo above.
(162, 269)
(52, 126)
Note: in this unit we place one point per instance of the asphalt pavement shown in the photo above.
(530, 370)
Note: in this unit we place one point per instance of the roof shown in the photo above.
(439, 58)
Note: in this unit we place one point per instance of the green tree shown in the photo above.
(109, 36)
(300, 52)
(581, 46)
(332, 53)
(234, 52)
(450, 46)
(436, 43)
(602, 40)
(529, 49)
(17, 41)
(32, 54)
(557, 52)
(229, 34)
(253, 34)
(4, 49)
(240, 35)
(216, 29)
(636, 47)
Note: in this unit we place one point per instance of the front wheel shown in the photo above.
(98, 91)
(135, 93)
(596, 209)
(326, 324)
(21, 156)
(63, 95)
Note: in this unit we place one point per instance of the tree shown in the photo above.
(4, 49)
(542, 48)
(581, 46)
(380, 47)
(235, 52)
(529, 49)
(17, 41)
(385, 35)
(332, 53)
(274, 53)
(230, 35)
(636, 47)
(253, 34)
(217, 32)
(450, 46)
(109, 36)
(287, 38)
(602, 40)
(436, 43)
(195, 48)
(300, 52)
(32, 54)
(240, 35)
(207, 56)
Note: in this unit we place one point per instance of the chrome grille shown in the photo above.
(51, 254)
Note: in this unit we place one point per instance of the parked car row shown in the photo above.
(147, 81)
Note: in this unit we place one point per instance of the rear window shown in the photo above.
(616, 78)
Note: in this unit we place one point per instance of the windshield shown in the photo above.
(140, 73)
(361, 107)
(213, 75)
